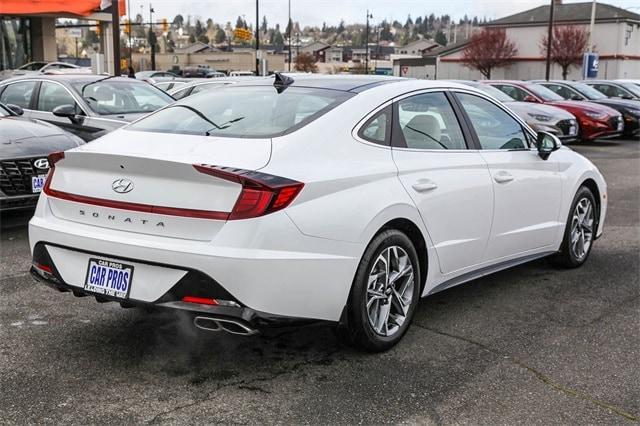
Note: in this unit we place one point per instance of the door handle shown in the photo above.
(424, 185)
(503, 177)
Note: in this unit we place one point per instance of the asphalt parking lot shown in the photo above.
(533, 344)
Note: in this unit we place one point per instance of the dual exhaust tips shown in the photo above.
(220, 324)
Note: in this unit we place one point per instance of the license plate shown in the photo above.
(109, 278)
(572, 130)
(37, 183)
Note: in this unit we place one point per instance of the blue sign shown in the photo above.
(590, 65)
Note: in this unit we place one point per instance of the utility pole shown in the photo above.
(130, 27)
(591, 25)
(152, 38)
(289, 35)
(366, 44)
(257, 39)
(115, 23)
(549, 37)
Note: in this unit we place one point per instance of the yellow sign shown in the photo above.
(243, 34)
(124, 64)
(165, 25)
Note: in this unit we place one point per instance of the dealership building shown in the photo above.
(28, 29)
(616, 37)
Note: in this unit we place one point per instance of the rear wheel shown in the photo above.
(384, 294)
(579, 232)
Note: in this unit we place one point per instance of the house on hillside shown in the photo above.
(616, 37)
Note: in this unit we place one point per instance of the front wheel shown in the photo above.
(384, 295)
(579, 232)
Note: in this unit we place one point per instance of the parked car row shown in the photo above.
(592, 113)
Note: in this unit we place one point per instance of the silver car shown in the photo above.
(541, 118)
(86, 105)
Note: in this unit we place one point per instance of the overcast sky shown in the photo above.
(315, 12)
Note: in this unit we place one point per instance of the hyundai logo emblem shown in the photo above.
(41, 163)
(122, 186)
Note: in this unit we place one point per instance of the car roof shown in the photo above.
(69, 78)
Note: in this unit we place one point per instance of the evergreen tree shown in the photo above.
(441, 38)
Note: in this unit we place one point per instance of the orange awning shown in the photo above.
(52, 7)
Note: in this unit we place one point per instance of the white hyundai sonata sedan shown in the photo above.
(303, 198)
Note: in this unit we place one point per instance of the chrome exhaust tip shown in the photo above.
(218, 324)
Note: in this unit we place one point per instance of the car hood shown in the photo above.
(584, 107)
(522, 108)
(618, 103)
(17, 128)
(21, 137)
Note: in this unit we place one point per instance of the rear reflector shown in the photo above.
(261, 194)
(43, 268)
(200, 300)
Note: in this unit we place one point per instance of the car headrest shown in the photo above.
(423, 125)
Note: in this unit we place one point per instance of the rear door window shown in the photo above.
(427, 121)
(19, 93)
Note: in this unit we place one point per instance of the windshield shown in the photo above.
(588, 91)
(496, 93)
(632, 88)
(544, 93)
(106, 97)
(249, 111)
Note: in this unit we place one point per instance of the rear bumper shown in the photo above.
(231, 310)
(265, 265)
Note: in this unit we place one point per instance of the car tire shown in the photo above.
(382, 300)
(579, 232)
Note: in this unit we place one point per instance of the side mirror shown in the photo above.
(15, 109)
(625, 96)
(576, 98)
(68, 111)
(530, 98)
(546, 144)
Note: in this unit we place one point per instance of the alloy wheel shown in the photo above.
(582, 228)
(390, 291)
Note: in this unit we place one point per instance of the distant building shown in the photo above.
(417, 48)
(616, 37)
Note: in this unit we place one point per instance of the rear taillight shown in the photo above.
(261, 194)
(53, 158)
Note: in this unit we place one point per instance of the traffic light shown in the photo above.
(165, 25)
(126, 28)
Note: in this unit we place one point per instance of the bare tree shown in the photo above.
(305, 62)
(567, 46)
(489, 49)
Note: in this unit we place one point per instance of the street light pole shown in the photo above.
(257, 39)
(289, 35)
(549, 37)
(366, 44)
(152, 38)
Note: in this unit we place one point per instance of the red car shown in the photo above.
(595, 121)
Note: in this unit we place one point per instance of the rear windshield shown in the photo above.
(243, 111)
